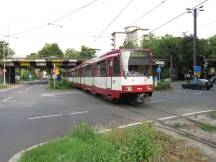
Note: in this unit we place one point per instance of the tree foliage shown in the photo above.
(4, 47)
(50, 50)
(181, 50)
(129, 45)
(87, 53)
(72, 53)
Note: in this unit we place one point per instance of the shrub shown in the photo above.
(163, 85)
(62, 84)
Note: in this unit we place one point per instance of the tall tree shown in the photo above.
(72, 53)
(50, 50)
(152, 42)
(4, 51)
(33, 55)
(129, 45)
(211, 47)
(87, 53)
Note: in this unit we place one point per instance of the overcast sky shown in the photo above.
(83, 26)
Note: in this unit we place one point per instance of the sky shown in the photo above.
(74, 23)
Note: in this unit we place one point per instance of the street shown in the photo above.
(31, 114)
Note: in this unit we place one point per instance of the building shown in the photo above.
(134, 34)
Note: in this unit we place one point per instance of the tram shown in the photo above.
(119, 74)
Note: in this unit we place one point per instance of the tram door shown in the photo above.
(109, 74)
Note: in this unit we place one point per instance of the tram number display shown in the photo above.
(138, 54)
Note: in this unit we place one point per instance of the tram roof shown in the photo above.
(112, 52)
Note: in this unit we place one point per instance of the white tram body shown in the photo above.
(118, 74)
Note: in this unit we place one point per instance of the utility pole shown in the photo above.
(4, 70)
(195, 37)
(194, 12)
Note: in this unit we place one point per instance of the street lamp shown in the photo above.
(194, 12)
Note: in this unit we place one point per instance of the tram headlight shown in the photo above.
(128, 88)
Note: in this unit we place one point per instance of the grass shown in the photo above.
(62, 84)
(179, 124)
(212, 114)
(163, 85)
(207, 128)
(135, 144)
(2, 86)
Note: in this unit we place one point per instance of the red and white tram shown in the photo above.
(118, 74)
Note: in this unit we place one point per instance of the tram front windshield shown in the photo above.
(135, 63)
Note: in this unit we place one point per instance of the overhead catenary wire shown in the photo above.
(58, 19)
(149, 11)
(171, 20)
(113, 20)
(74, 11)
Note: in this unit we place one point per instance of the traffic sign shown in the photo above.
(197, 69)
(158, 69)
(4, 70)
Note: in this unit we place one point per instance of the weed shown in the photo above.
(213, 114)
(179, 125)
(206, 127)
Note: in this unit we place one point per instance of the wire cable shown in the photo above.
(58, 19)
(74, 11)
(171, 20)
(149, 11)
(119, 14)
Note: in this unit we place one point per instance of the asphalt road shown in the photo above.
(31, 114)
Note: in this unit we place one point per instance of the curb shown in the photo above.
(14, 87)
(18, 155)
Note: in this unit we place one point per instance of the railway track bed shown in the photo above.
(201, 127)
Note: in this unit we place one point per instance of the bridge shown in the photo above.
(32, 64)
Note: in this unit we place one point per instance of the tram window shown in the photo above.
(103, 68)
(116, 66)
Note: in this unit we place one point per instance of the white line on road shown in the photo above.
(187, 114)
(56, 115)
(199, 112)
(60, 93)
(179, 91)
(129, 125)
(198, 93)
(81, 112)
(47, 116)
(165, 118)
(156, 101)
(6, 99)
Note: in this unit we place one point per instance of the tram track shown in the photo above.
(175, 129)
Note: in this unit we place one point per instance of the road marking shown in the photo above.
(20, 92)
(165, 118)
(47, 116)
(199, 112)
(60, 93)
(56, 115)
(179, 91)
(81, 112)
(198, 93)
(129, 125)
(187, 114)
(6, 99)
(156, 101)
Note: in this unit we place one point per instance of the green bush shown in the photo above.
(136, 144)
(84, 145)
(62, 84)
(163, 85)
